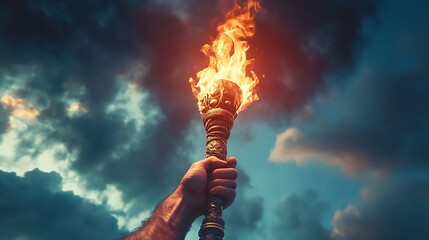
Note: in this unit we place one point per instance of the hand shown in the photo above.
(213, 176)
(174, 216)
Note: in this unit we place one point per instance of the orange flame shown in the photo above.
(227, 55)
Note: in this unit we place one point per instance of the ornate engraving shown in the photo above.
(219, 109)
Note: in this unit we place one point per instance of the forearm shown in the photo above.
(171, 220)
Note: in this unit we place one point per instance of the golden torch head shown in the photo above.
(225, 96)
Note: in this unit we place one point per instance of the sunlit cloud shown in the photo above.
(19, 108)
(288, 149)
(350, 210)
(292, 147)
(77, 107)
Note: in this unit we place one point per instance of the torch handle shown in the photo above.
(212, 227)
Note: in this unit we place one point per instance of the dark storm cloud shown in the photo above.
(377, 120)
(4, 121)
(34, 207)
(299, 43)
(67, 46)
(393, 210)
(299, 217)
(71, 48)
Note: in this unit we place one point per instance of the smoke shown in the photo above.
(297, 47)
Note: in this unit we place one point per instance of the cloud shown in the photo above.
(34, 207)
(299, 217)
(376, 120)
(373, 120)
(4, 121)
(244, 217)
(18, 107)
(85, 53)
(388, 210)
(293, 146)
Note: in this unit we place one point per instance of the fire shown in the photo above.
(227, 55)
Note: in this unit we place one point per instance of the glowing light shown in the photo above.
(19, 108)
(227, 54)
(76, 107)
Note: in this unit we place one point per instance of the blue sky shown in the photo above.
(98, 122)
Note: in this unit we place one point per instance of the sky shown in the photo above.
(98, 122)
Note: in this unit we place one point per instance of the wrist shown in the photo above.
(177, 212)
(171, 220)
(188, 206)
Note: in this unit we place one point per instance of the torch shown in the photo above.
(223, 89)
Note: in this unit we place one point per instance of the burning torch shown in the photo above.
(223, 89)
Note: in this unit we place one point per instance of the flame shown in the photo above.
(227, 55)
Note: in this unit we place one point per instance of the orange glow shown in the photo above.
(227, 54)
(76, 107)
(19, 108)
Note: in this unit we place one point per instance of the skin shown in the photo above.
(173, 217)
